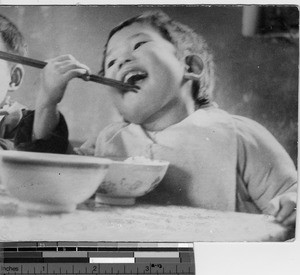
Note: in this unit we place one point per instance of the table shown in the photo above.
(144, 223)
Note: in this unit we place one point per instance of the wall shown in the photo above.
(257, 77)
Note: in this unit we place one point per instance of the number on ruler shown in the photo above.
(156, 265)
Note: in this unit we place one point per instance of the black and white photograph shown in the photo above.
(145, 123)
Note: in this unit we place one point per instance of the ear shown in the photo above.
(17, 73)
(194, 67)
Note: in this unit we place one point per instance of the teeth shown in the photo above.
(133, 74)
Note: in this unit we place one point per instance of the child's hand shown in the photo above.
(56, 75)
(283, 208)
(88, 147)
(82, 151)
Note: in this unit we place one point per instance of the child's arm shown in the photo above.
(55, 77)
(56, 143)
(268, 171)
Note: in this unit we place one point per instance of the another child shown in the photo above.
(15, 119)
(11, 75)
(13, 115)
(218, 161)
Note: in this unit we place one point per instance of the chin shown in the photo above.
(134, 118)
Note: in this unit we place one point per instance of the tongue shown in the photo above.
(135, 78)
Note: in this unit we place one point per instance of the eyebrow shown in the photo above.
(130, 38)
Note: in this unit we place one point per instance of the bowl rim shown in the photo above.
(151, 162)
(52, 158)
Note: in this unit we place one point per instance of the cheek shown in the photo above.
(117, 100)
(4, 79)
(108, 73)
(166, 66)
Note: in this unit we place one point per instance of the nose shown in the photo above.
(123, 61)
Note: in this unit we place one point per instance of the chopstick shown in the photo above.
(89, 77)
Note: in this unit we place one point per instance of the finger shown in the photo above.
(290, 220)
(64, 57)
(273, 207)
(89, 151)
(64, 60)
(74, 73)
(60, 58)
(287, 207)
(78, 151)
(84, 151)
(65, 66)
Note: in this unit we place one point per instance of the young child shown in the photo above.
(218, 161)
(11, 75)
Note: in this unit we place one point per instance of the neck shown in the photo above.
(170, 114)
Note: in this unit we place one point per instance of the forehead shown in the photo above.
(131, 32)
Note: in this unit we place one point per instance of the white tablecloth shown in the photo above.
(136, 223)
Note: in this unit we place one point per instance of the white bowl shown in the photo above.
(51, 182)
(125, 181)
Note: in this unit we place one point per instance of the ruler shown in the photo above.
(96, 258)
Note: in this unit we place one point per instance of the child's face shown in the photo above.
(5, 77)
(139, 55)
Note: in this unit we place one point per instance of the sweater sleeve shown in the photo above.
(265, 167)
(6, 144)
(56, 142)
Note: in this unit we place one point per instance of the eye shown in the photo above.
(137, 45)
(111, 63)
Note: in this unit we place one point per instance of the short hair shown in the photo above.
(12, 37)
(186, 41)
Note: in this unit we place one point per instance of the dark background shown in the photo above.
(257, 76)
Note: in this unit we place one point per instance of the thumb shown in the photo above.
(75, 73)
(273, 207)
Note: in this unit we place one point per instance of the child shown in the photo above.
(11, 75)
(218, 161)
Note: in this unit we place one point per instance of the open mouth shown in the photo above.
(134, 77)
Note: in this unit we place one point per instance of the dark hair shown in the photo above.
(186, 41)
(12, 37)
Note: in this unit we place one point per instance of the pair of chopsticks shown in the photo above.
(89, 77)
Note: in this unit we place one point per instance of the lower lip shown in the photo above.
(138, 83)
(126, 92)
(141, 82)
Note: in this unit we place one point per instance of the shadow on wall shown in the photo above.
(264, 86)
(257, 77)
